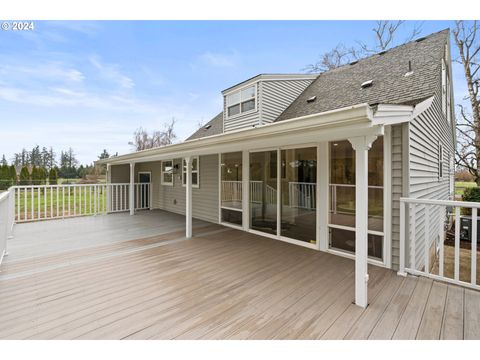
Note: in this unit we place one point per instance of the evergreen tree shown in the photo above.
(13, 174)
(34, 175)
(24, 176)
(4, 161)
(53, 176)
(4, 177)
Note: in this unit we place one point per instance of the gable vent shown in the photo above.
(367, 84)
(311, 99)
(207, 127)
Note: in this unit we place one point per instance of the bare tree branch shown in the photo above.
(143, 141)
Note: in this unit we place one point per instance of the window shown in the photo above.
(241, 101)
(195, 176)
(167, 172)
(440, 161)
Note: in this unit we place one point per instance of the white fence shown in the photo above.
(43, 202)
(434, 242)
(232, 191)
(6, 220)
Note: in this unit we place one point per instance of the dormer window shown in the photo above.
(241, 101)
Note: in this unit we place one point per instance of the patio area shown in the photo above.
(138, 277)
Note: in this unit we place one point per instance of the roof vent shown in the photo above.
(311, 99)
(421, 39)
(208, 126)
(410, 71)
(367, 84)
(354, 62)
(382, 52)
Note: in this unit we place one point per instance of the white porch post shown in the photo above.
(109, 191)
(131, 198)
(245, 189)
(361, 145)
(188, 200)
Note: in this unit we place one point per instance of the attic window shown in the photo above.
(208, 126)
(311, 99)
(367, 84)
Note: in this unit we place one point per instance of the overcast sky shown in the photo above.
(89, 85)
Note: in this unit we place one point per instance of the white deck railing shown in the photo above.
(6, 220)
(43, 202)
(424, 225)
(302, 195)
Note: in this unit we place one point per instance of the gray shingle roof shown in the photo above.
(216, 127)
(341, 87)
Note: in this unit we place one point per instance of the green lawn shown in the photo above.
(49, 203)
(460, 186)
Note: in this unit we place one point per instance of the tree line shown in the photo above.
(40, 166)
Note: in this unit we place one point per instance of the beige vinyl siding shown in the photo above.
(120, 174)
(154, 167)
(204, 198)
(425, 133)
(397, 191)
(278, 95)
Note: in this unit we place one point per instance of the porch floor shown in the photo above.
(222, 284)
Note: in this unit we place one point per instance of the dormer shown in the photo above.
(261, 99)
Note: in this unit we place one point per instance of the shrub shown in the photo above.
(24, 176)
(52, 176)
(472, 195)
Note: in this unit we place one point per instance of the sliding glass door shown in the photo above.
(231, 188)
(342, 198)
(263, 191)
(298, 194)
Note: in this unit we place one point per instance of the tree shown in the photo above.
(53, 176)
(4, 177)
(24, 176)
(4, 161)
(13, 174)
(385, 37)
(142, 140)
(468, 124)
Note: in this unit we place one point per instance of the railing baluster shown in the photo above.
(45, 204)
(58, 202)
(413, 250)
(32, 190)
(69, 196)
(51, 201)
(74, 200)
(63, 201)
(441, 236)
(38, 202)
(427, 239)
(85, 199)
(95, 199)
(457, 244)
(473, 266)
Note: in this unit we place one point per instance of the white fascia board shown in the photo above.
(389, 114)
(333, 124)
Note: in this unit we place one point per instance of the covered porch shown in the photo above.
(222, 283)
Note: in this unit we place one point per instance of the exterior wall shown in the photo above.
(120, 174)
(204, 198)
(397, 190)
(278, 95)
(425, 133)
(273, 97)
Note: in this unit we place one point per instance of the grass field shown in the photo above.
(460, 186)
(66, 202)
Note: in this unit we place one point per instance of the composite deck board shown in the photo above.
(222, 284)
(452, 327)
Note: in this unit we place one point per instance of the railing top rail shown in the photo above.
(452, 203)
(67, 185)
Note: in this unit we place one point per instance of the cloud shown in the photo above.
(112, 73)
(50, 70)
(225, 60)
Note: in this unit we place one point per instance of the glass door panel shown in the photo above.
(231, 188)
(263, 191)
(298, 194)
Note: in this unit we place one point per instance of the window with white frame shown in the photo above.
(241, 101)
(440, 161)
(195, 172)
(167, 172)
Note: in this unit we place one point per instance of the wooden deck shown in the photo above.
(222, 284)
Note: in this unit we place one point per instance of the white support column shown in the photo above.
(322, 196)
(188, 198)
(361, 145)
(245, 189)
(109, 191)
(131, 198)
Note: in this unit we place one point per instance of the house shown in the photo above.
(319, 161)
